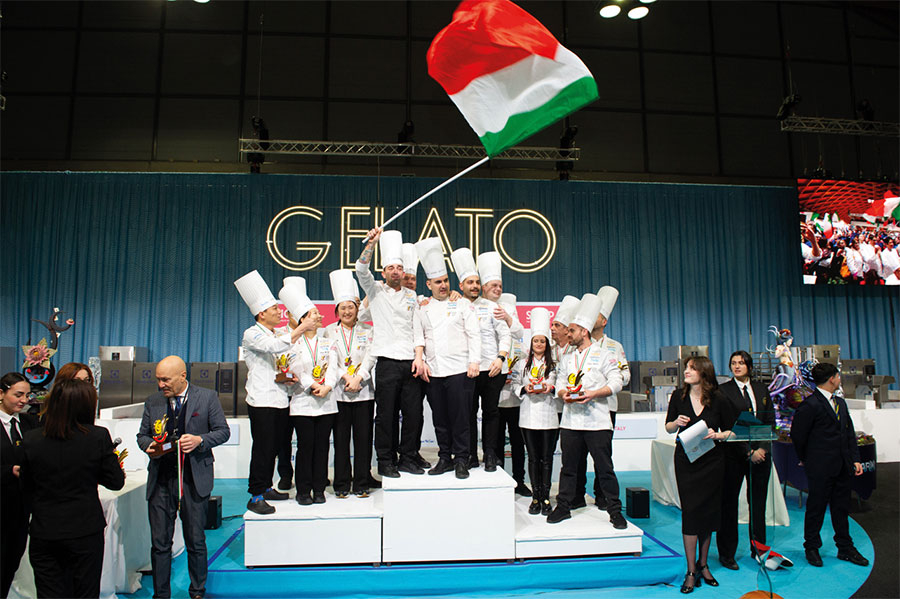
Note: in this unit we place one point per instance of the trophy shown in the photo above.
(574, 387)
(160, 435)
(510, 362)
(537, 378)
(284, 372)
(351, 367)
(319, 372)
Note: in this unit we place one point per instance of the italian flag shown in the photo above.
(506, 72)
(885, 208)
(823, 224)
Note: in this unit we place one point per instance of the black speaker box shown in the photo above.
(214, 512)
(637, 502)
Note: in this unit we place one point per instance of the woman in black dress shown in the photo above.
(699, 482)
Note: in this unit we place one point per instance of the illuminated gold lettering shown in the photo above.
(474, 215)
(350, 251)
(542, 223)
(320, 249)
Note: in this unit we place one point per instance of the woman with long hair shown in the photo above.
(74, 370)
(699, 482)
(62, 465)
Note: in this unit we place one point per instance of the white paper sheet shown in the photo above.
(693, 442)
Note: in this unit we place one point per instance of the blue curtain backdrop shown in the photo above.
(149, 259)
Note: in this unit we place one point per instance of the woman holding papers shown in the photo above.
(698, 413)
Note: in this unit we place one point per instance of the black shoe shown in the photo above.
(601, 502)
(388, 470)
(260, 507)
(490, 463)
(285, 484)
(522, 490)
(813, 557)
(318, 498)
(374, 483)
(558, 515)
(411, 467)
(711, 581)
(273, 495)
(618, 521)
(461, 470)
(535, 507)
(577, 503)
(341, 494)
(304, 499)
(361, 493)
(546, 508)
(727, 562)
(473, 462)
(443, 465)
(421, 462)
(694, 582)
(850, 554)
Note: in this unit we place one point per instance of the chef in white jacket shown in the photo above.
(313, 406)
(266, 356)
(351, 341)
(510, 400)
(448, 351)
(588, 376)
(285, 466)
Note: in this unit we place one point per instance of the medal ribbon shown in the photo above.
(313, 353)
(583, 360)
(347, 344)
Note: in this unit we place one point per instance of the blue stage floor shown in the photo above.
(656, 573)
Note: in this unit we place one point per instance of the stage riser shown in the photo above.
(305, 542)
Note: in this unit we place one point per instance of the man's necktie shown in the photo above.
(749, 404)
(837, 409)
(14, 434)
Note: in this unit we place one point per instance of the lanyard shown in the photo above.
(313, 354)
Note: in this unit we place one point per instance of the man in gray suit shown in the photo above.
(193, 417)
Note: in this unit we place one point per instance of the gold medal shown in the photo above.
(351, 370)
(317, 371)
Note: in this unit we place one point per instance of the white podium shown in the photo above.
(441, 518)
(588, 532)
(339, 531)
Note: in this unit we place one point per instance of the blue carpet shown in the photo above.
(580, 578)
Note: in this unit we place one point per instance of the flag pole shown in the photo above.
(444, 184)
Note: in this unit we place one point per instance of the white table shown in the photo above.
(126, 549)
(665, 489)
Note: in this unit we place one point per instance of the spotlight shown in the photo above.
(610, 10)
(638, 12)
(788, 106)
(201, 1)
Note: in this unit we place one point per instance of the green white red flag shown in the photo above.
(506, 72)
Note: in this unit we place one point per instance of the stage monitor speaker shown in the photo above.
(637, 502)
(214, 513)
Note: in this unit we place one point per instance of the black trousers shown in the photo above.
(286, 451)
(396, 387)
(487, 388)
(67, 568)
(450, 400)
(582, 469)
(354, 418)
(757, 490)
(13, 537)
(311, 465)
(541, 445)
(162, 508)
(509, 420)
(267, 428)
(833, 491)
(575, 446)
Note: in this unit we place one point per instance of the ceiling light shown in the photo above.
(647, 1)
(610, 10)
(638, 12)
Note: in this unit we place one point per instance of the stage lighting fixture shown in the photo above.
(201, 1)
(788, 106)
(610, 10)
(638, 12)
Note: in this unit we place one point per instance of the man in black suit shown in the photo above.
(14, 388)
(825, 440)
(194, 417)
(752, 461)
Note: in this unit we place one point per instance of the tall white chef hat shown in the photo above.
(463, 264)
(540, 322)
(489, 267)
(507, 299)
(410, 259)
(566, 309)
(391, 246)
(431, 254)
(588, 311)
(608, 296)
(343, 286)
(300, 282)
(295, 300)
(255, 292)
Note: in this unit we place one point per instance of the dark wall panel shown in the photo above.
(118, 62)
(679, 82)
(113, 128)
(291, 66)
(682, 144)
(198, 130)
(201, 64)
